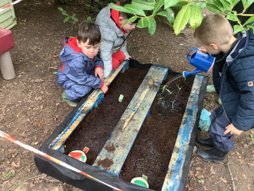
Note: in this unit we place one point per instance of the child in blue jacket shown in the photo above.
(81, 70)
(236, 84)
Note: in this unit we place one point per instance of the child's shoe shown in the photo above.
(213, 155)
(207, 142)
(69, 102)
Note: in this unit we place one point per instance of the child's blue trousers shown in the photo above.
(219, 122)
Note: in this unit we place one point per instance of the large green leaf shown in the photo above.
(182, 19)
(134, 9)
(238, 28)
(143, 4)
(170, 3)
(234, 2)
(143, 22)
(196, 16)
(228, 5)
(119, 8)
(148, 22)
(247, 3)
(133, 19)
(219, 4)
(158, 6)
(151, 25)
(225, 4)
(213, 8)
(169, 14)
(231, 3)
(182, 3)
(250, 20)
(233, 17)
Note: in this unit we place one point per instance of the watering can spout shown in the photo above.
(194, 72)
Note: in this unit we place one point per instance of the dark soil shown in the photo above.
(94, 131)
(150, 154)
(154, 145)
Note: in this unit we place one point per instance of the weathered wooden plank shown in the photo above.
(93, 100)
(117, 147)
(174, 177)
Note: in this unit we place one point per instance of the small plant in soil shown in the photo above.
(168, 99)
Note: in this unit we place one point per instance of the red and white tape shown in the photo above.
(55, 160)
(9, 5)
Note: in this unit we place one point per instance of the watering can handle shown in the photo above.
(188, 56)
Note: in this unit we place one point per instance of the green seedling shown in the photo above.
(164, 89)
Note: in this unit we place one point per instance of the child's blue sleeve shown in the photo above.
(78, 74)
(99, 63)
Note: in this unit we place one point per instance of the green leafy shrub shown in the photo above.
(180, 13)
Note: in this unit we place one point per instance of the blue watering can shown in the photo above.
(202, 61)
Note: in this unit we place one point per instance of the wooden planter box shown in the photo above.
(122, 138)
(7, 17)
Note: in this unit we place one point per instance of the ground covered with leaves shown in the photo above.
(31, 106)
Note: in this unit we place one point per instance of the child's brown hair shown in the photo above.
(214, 28)
(89, 31)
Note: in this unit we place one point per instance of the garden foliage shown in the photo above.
(180, 13)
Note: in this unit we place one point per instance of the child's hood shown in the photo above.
(106, 23)
(244, 47)
(115, 15)
(71, 50)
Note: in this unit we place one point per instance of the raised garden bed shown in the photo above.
(150, 132)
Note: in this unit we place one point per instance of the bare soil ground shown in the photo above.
(31, 105)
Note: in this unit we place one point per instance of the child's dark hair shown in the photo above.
(89, 31)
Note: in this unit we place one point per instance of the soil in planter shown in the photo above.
(151, 152)
(97, 126)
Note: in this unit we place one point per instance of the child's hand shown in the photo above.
(104, 88)
(99, 72)
(232, 130)
(202, 49)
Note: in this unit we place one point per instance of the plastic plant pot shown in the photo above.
(140, 181)
(79, 155)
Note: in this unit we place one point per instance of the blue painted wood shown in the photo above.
(117, 147)
(174, 176)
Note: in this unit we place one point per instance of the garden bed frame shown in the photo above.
(123, 137)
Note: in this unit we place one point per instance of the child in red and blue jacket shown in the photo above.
(115, 29)
(81, 70)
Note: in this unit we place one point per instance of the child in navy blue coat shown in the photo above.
(235, 84)
(81, 70)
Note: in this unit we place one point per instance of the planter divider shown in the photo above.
(118, 146)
